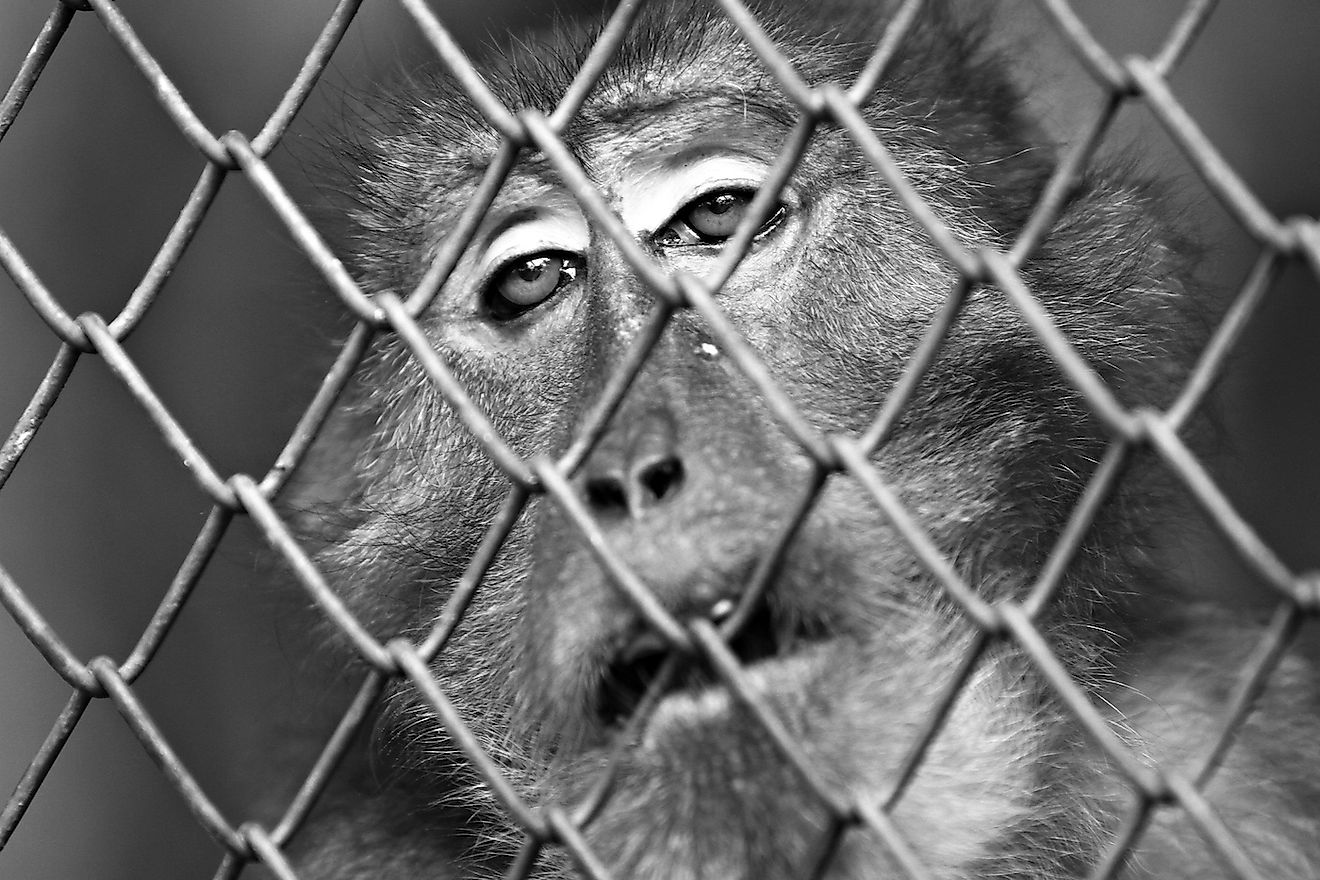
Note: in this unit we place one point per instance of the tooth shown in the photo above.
(721, 611)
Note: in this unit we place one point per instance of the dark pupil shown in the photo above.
(723, 203)
(533, 269)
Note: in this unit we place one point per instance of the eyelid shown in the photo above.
(715, 188)
(533, 237)
(653, 203)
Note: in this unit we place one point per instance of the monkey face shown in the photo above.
(695, 507)
(692, 486)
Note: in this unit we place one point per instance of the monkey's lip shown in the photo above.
(779, 678)
(772, 656)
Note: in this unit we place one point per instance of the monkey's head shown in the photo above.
(729, 505)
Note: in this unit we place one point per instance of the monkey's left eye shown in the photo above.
(522, 284)
(713, 218)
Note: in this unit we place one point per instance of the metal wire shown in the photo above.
(1280, 241)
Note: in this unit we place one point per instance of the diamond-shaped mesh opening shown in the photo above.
(1138, 429)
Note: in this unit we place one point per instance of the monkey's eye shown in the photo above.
(522, 284)
(712, 218)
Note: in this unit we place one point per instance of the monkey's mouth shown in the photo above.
(645, 658)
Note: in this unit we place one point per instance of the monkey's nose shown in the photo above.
(635, 468)
(620, 492)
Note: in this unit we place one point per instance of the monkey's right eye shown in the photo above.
(713, 218)
(522, 284)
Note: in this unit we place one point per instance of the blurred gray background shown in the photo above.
(97, 517)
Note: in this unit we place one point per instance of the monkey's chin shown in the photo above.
(708, 792)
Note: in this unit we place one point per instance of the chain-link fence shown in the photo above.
(95, 485)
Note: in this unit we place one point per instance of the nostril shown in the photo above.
(623, 491)
(606, 495)
(661, 478)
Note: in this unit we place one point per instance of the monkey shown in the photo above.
(860, 677)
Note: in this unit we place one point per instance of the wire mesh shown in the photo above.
(239, 159)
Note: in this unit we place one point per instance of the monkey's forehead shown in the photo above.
(614, 124)
(666, 136)
(701, 73)
(651, 136)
